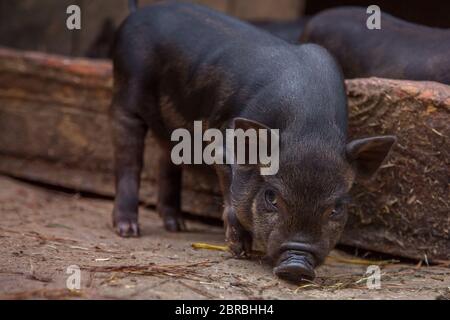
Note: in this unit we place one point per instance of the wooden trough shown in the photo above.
(54, 129)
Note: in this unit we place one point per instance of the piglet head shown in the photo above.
(298, 214)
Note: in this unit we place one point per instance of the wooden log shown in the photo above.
(54, 129)
(405, 209)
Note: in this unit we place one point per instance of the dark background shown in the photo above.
(41, 24)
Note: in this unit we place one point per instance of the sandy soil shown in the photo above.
(42, 232)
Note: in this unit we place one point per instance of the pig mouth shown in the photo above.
(295, 266)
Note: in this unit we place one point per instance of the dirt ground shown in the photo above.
(43, 232)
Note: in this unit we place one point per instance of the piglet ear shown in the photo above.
(263, 152)
(368, 154)
(244, 124)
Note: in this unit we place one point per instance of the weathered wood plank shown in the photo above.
(54, 129)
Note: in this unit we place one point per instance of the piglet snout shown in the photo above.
(295, 263)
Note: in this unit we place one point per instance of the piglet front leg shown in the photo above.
(128, 137)
(238, 239)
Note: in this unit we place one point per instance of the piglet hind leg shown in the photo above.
(169, 196)
(129, 133)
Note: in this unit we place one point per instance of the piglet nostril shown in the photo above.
(296, 262)
(294, 266)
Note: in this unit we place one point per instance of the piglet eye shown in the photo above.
(334, 213)
(337, 211)
(271, 198)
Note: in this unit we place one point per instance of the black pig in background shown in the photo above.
(399, 50)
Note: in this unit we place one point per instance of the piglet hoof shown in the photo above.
(174, 224)
(238, 250)
(173, 221)
(127, 229)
